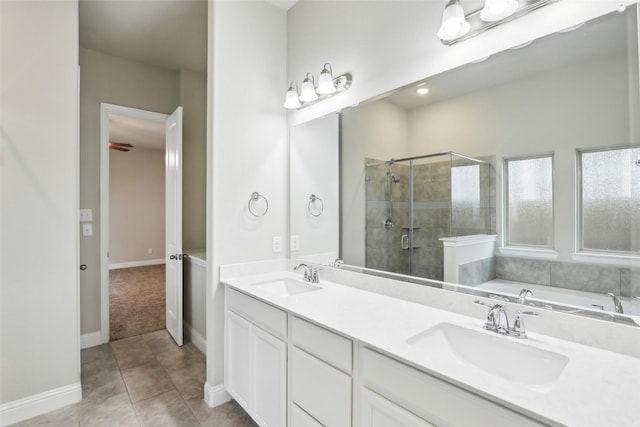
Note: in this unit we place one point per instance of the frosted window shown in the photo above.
(529, 202)
(610, 200)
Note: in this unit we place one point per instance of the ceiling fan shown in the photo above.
(120, 146)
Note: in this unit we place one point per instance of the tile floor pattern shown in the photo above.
(143, 381)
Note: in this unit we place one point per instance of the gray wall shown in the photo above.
(136, 205)
(39, 342)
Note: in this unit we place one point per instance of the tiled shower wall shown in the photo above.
(433, 216)
(622, 281)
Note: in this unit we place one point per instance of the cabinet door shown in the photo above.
(238, 360)
(376, 411)
(270, 379)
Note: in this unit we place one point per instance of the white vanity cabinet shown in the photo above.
(321, 366)
(256, 358)
(391, 390)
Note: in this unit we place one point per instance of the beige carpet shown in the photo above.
(136, 301)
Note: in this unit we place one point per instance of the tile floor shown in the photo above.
(143, 381)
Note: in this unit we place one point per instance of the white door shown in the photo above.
(173, 227)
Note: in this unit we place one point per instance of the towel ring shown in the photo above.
(312, 200)
(255, 197)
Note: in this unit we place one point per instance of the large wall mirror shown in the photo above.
(520, 171)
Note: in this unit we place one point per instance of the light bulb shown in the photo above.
(291, 100)
(454, 24)
(325, 81)
(308, 90)
(496, 10)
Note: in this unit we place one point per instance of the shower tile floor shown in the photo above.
(144, 380)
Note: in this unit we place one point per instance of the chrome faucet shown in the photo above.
(310, 273)
(522, 296)
(498, 321)
(616, 302)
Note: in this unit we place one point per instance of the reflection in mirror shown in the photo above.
(559, 99)
(314, 190)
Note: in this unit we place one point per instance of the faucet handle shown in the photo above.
(518, 329)
(483, 303)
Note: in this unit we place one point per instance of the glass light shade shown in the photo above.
(291, 100)
(308, 90)
(325, 83)
(496, 10)
(454, 24)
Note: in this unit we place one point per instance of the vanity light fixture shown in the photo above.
(456, 26)
(327, 87)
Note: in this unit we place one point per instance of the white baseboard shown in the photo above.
(91, 340)
(143, 263)
(198, 340)
(215, 395)
(38, 404)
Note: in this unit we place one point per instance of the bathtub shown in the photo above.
(570, 297)
(194, 299)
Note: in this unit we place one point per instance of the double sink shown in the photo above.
(460, 347)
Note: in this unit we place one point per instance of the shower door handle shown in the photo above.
(405, 241)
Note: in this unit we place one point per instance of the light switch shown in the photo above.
(87, 230)
(295, 242)
(86, 215)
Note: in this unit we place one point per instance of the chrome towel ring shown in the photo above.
(313, 199)
(253, 202)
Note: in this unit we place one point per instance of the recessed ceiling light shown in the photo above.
(422, 91)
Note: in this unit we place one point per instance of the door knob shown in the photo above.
(83, 267)
(172, 257)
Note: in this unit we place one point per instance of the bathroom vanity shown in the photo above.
(329, 354)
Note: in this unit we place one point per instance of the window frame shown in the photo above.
(505, 205)
(579, 219)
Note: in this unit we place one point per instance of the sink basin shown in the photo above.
(497, 355)
(287, 287)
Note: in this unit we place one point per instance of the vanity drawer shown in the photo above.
(299, 418)
(262, 314)
(436, 401)
(327, 346)
(321, 390)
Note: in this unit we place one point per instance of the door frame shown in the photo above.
(105, 110)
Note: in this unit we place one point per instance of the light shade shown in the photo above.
(291, 100)
(454, 24)
(308, 90)
(325, 81)
(496, 10)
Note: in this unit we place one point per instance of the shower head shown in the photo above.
(394, 178)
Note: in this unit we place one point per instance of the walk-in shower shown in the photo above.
(413, 202)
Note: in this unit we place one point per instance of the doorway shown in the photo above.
(141, 172)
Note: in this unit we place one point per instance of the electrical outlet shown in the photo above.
(150, 251)
(295, 243)
(277, 244)
(87, 230)
(86, 215)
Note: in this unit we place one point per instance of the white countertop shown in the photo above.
(597, 387)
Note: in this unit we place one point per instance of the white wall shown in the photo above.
(378, 130)
(248, 147)
(314, 157)
(390, 43)
(39, 312)
(136, 205)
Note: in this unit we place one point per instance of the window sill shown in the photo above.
(548, 254)
(619, 260)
